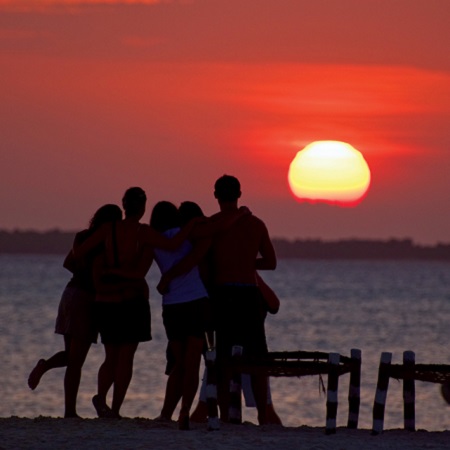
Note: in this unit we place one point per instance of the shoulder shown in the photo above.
(145, 229)
(148, 232)
(253, 221)
(81, 236)
(257, 229)
(148, 235)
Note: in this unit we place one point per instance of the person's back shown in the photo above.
(128, 244)
(245, 246)
(122, 301)
(235, 251)
(238, 304)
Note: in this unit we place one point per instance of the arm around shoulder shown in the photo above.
(70, 261)
(191, 260)
(97, 238)
(158, 240)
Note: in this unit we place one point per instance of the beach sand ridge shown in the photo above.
(138, 433)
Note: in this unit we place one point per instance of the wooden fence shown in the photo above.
(299, 364)
(409, 371)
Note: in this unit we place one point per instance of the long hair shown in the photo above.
(164, 216)
(188, 210)
(106, 213)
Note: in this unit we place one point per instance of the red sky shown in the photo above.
(96, 97)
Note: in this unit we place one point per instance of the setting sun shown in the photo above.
(330, 172)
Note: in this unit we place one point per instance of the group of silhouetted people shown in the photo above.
(209, 286)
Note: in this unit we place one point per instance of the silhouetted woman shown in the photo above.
(75, 319)
(122, 295)
(122, 302)
(185, 316)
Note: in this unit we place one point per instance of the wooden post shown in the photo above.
(354, 390)
(235, 408)
(211, 389)
(381, 393)
(409, 391)
(332, 392)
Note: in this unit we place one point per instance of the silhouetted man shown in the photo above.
(238, 304)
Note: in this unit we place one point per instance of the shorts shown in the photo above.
(76, 314)
(126, 322)
(182, 320)
(239, 313)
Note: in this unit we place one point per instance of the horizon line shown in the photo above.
(273, 237)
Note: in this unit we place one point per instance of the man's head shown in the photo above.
(227, 189)
(133, 201)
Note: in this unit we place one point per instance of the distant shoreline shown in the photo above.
(59, 242)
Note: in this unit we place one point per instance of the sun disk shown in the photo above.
(330, 172)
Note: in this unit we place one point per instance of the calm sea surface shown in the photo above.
(326, 306)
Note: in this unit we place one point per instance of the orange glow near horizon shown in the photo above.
(331, 172)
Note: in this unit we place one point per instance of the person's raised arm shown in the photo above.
(92, 242)
(272, 300)
(97, 270)
(268, 259)
(70, 262)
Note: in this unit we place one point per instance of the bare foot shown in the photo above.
(72, 416)
(36, 374)
(183, 423)
(103, 410)
(200, 413)
(162, 419)
(272, 416)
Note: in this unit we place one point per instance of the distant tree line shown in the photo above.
(360, 249)
(35, 242)
(59, 242)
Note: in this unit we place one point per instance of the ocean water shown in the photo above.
(329, 306)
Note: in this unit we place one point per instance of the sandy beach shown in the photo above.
(138, 433)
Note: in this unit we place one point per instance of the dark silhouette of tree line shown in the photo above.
(360, 249)
(35, 242)
(58, 242)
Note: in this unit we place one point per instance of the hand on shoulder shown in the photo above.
(245, 210)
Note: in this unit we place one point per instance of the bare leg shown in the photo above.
(57, 360)
(105, 377)
(272, 416)
(200, 413)
(105, 380)
(77, 350)
(174, 388)
(191, 367)
(123, 372)
(259, 386)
